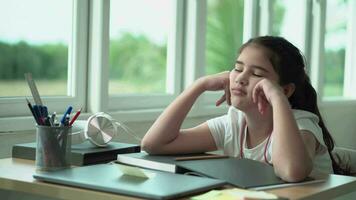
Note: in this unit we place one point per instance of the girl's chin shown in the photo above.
(239, 105)
(243, 106)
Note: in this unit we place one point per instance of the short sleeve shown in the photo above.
(217, 127)
(309, 122)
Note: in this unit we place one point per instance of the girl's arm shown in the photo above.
(292, 151)
(165, 135)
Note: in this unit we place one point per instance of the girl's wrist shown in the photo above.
(199, 85)
(278, 99)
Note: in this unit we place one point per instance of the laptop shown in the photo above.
(109, 178)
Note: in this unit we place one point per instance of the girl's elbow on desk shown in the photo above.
(148, 146)
(151, 147)
(294, 173)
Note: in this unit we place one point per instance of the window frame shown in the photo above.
(317, 51)
(350, 59)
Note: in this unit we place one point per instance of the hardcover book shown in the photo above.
(81, 154)
(157, 162)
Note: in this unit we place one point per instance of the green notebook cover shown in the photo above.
(243, 173)
(82, 154)
(109, 178)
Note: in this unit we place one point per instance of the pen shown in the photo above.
(53, 117)
(212, 156)
(66, 121)
(31, 109)
(50, 121)
(75, 116)
(69, 110)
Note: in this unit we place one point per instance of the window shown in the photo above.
(287, 25)
(224, 32)
(138, 45)
(144, 56)
(30, 42)
(223, 38)
(132, 58)
(335, 47)
(50, 47)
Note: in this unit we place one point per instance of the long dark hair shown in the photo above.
(289, 63)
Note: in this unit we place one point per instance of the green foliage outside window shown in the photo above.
(224, 34)
(136, 57)
(43, 61)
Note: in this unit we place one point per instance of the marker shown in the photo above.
(75, 116)
(69, 110)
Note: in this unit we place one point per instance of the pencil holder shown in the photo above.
(53, 148)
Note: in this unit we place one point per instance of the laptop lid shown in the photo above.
(109, 178)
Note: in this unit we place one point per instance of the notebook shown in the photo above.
(243, 173)
(109, 178)
(82, 154)
(156, 162)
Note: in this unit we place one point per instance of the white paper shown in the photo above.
(135, 171)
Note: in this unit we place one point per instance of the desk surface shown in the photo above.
(16, 175)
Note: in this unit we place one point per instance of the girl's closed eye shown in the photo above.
(257, 74)
(238, 69)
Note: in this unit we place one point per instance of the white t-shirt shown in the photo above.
(225, 131)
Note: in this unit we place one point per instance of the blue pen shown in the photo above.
(69, 110)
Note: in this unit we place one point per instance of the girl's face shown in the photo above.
(251, 66)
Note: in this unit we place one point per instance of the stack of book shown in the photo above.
(81, 154)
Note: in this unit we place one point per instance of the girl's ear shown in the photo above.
(289, 89)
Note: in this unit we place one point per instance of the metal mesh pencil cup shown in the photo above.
(53, 148)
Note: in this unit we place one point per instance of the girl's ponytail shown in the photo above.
(310, 105)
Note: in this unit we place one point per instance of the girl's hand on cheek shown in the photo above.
(220, 81)
(263, 93)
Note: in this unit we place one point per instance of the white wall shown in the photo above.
(341, 122)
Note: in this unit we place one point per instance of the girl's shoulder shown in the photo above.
(234, 114)
(303, 114)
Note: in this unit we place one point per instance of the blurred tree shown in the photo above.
(54, 60)
(47, 61)
(7, 58)
(278, 17)
(334, 67)
(224, 34)
(136, 58)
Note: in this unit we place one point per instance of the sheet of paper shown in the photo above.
(251, 194)
(135, 171)
(234, 194)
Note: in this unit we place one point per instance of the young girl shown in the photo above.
(273, 116)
